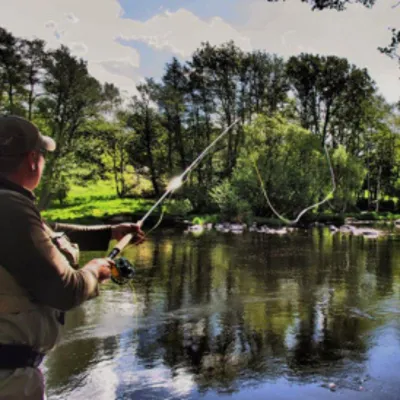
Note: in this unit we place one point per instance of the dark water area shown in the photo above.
(249, 316)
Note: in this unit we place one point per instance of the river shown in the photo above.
(307, 315)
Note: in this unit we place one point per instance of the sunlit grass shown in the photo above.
(99, 201)
(100, 208)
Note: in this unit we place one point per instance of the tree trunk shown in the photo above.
(378, 188)
(11, 98)
(153, 172)
(30, 103)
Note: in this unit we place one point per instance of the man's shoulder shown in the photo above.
(11, 200)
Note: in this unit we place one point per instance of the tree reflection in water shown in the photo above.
(233, 311)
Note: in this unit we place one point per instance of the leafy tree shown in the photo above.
(72, 98)
(293, 168)
(333, 4)
(149, 144)
(12, 72)
(381, 152)
(331, 94)
(349, 178)
(34, 56)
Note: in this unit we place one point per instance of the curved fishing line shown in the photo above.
(161, 216)
(293, 222)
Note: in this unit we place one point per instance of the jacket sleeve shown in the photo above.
(28, 253)
(89, 238)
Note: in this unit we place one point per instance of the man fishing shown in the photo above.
(39, 279)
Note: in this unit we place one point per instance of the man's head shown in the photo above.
(22, 149)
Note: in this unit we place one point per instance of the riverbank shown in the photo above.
(97, 203)
(94, 210)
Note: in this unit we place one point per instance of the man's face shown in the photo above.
(35, 163)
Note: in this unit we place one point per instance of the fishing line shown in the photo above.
(293, 222)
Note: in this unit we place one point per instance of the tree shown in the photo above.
(112, 100)
(148, 147)
(381, 156)
(116, 140)
(35, 57)
(12, 71)
(72, 98)
(293, 168)
(391, 49)
(333, 4)
(222, 66)
(331, 95)
(171, 99)
(291, 163)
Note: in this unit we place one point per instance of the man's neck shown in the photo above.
(10, 182)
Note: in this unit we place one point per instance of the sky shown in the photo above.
(126, 41)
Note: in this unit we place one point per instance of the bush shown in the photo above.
(229, 202)
(179, 207)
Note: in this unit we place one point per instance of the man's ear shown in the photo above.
(33, 159)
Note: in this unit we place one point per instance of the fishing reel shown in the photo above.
(122, 272)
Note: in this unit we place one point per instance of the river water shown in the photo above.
(308, 315)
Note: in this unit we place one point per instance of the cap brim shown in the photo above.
(48, 143)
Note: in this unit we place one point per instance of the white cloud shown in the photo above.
(79, 49)
(72, 18)
(92, 30)
(182, 32)
(50, 25)
(289, 28)
(89, 28)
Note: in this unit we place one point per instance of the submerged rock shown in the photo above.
(365, 232)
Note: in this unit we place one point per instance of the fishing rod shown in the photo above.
(123, 270)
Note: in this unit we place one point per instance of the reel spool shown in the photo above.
(122, 272)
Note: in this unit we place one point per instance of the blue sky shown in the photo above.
(152, 62)
(144, 10)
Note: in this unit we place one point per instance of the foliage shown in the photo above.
(178, 207)
(349, 177)
(229, 202)
(302, 103)
(291, 163)
(334, 4)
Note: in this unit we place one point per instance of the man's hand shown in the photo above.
(101, 267)
(120, 230)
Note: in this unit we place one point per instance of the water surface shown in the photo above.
(240, 316)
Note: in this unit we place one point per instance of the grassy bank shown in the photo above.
(97, 202)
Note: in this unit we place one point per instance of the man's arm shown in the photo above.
(89, 238)
(97, 237)
(28, 253)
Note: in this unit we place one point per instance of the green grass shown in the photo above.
(101, 189)
(98, 201)
(95, 201)
(97, 209)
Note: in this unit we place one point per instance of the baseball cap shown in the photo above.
(19, 136)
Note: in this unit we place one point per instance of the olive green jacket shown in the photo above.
(37, 281)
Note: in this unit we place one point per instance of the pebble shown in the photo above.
(332, 386)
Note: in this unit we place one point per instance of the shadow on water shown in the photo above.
(250, 315)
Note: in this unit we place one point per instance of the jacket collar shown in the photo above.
(8, 185)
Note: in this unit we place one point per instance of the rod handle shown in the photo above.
(120, 245)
